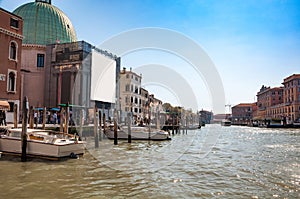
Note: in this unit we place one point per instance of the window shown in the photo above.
(127, 76)
(127, 87)
(40, 60)
(14, 23)
(11, 84)
(13, 51)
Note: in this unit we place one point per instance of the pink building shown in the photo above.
(291, 100)
(242, 113)
(11, 36)
(268, 99)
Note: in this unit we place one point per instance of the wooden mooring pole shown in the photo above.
(104, 123)
(24, 129)
(103, 120)
(44, 118)
(80, 123)
(31, 114)
(186, 124)
(67, 119)
(62, 119)
(129, 127)
(115, 129)
(96, 127)
(173, 121)
(15, 116)
(177, 125)
(100, 125)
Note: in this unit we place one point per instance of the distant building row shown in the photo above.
(273, 104)
(135, 99)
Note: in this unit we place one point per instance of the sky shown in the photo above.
(251, 43)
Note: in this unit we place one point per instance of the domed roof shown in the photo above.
(44, 23)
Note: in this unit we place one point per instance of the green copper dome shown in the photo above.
(45, 24)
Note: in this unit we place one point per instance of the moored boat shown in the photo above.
(42, 143)
(138, 133)
(226, 122)
(296, 124)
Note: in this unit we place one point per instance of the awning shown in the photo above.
(4, 105)
(55, 109)
(71, 105)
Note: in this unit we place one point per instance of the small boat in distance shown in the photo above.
(226, 122)
(138, 133)
(42, 143)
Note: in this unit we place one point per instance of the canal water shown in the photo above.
(212, 162)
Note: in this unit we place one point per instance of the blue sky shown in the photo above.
(250, 42)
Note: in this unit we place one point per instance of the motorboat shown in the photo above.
(42, 143)
(137, 133)
(226, 122)
(296, 123)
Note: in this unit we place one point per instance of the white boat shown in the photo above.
(42, 143)
(138, 133)
(296, 123)
(226, 122)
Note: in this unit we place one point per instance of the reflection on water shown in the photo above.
(243, 163)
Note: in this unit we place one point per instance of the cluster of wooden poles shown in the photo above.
(98, 119)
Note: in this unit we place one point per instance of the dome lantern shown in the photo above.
(44, 1)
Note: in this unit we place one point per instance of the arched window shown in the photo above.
(11, 82)
(13, 50)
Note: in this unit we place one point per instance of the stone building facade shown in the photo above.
(242, 113)
(11, 27)
(291, 100)
(280, 103)
(130, 93)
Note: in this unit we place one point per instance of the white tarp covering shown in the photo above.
(103, 82)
